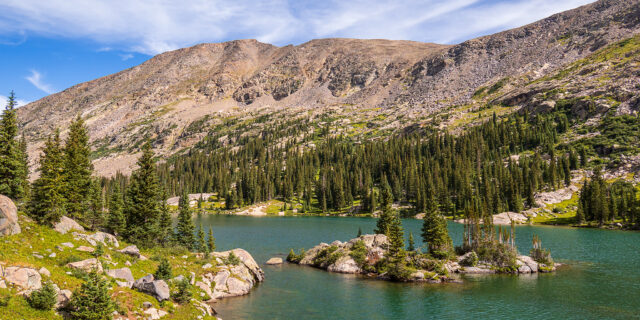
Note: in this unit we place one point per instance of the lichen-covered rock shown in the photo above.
(157, 288)
(8, 217)
(246, 259)
(25, 278)
(87, 265)
(345, 264)
(67, 224)
(131, 250)
(122, 273)
(98, 237)
(526, 264)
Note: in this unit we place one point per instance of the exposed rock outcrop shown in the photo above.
(157, 288)
(8, 217)
(25, 278)
(87, 265)
(67, 224)
(98, 237)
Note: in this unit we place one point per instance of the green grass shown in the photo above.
(566, 212)
(18, 250)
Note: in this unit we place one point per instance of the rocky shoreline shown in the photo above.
(339, 257)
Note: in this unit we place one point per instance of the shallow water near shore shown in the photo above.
(602, 279)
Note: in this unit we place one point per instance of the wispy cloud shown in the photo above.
(36, 80)
(4, 100)
(125, 56)
(151, 27)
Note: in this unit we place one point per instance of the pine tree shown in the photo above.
(165, 225)
(116, 220)
(359, 232)
(211, 241)
(185, 228)
(47, 204)
(92, 300)
(412, 245)
(143, 202)
(95, 218)
(386, 216)
(396, 251)
(435, 233)
(164, 270)
(77, 169)
(13, 162)
(201, 243)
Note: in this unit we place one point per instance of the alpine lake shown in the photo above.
(600, 279)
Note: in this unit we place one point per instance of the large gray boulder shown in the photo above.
(25, 278)
(87, 265)
(8, 217)
(122, 273)
(526, 264)
(67, 224)
(131, 250)
(157, 288)
(246, 259)
(98, 237)
(345, 264)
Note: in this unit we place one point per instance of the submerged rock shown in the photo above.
(274, 260)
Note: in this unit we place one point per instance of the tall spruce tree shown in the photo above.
(13, 162)
(435, 232)
(95, 214)
(143, 202)
(77, 169)
(116, 220)
(185, 228)
(396, 251)
(211, 241)
(165, 224)
(47, 203)
(382, 225)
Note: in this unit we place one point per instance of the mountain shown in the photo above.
(178, 98)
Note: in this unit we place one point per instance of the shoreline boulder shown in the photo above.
(8, 217)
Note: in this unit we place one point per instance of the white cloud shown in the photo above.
(151, 27)
(36, 80)
(125, 56)
(4, 100)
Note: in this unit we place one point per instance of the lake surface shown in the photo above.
(602, 280)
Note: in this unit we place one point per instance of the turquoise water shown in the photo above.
(602, 280)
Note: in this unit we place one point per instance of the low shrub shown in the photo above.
(359, 253)
(44, 298)
(295, 258)
(164, 270)
(184, 291)
(470, 260)
(232, 259)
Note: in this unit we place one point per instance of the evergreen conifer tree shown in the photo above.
(116, 220)
(165, 225)
(77, 170)
(185, 228)
(143, 202)
(211, 241)
(47, 204)
(435, 233)
(13, 162)
(201, 243)
(92, 300)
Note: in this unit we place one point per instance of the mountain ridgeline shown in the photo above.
(473, 129)
(175, 98)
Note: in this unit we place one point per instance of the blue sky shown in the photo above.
(48, 46)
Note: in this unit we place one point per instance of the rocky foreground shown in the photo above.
(32, 255)
(343, 257)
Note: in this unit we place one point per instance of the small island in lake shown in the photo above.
(485, 250)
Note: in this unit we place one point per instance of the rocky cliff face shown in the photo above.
(174, 97)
